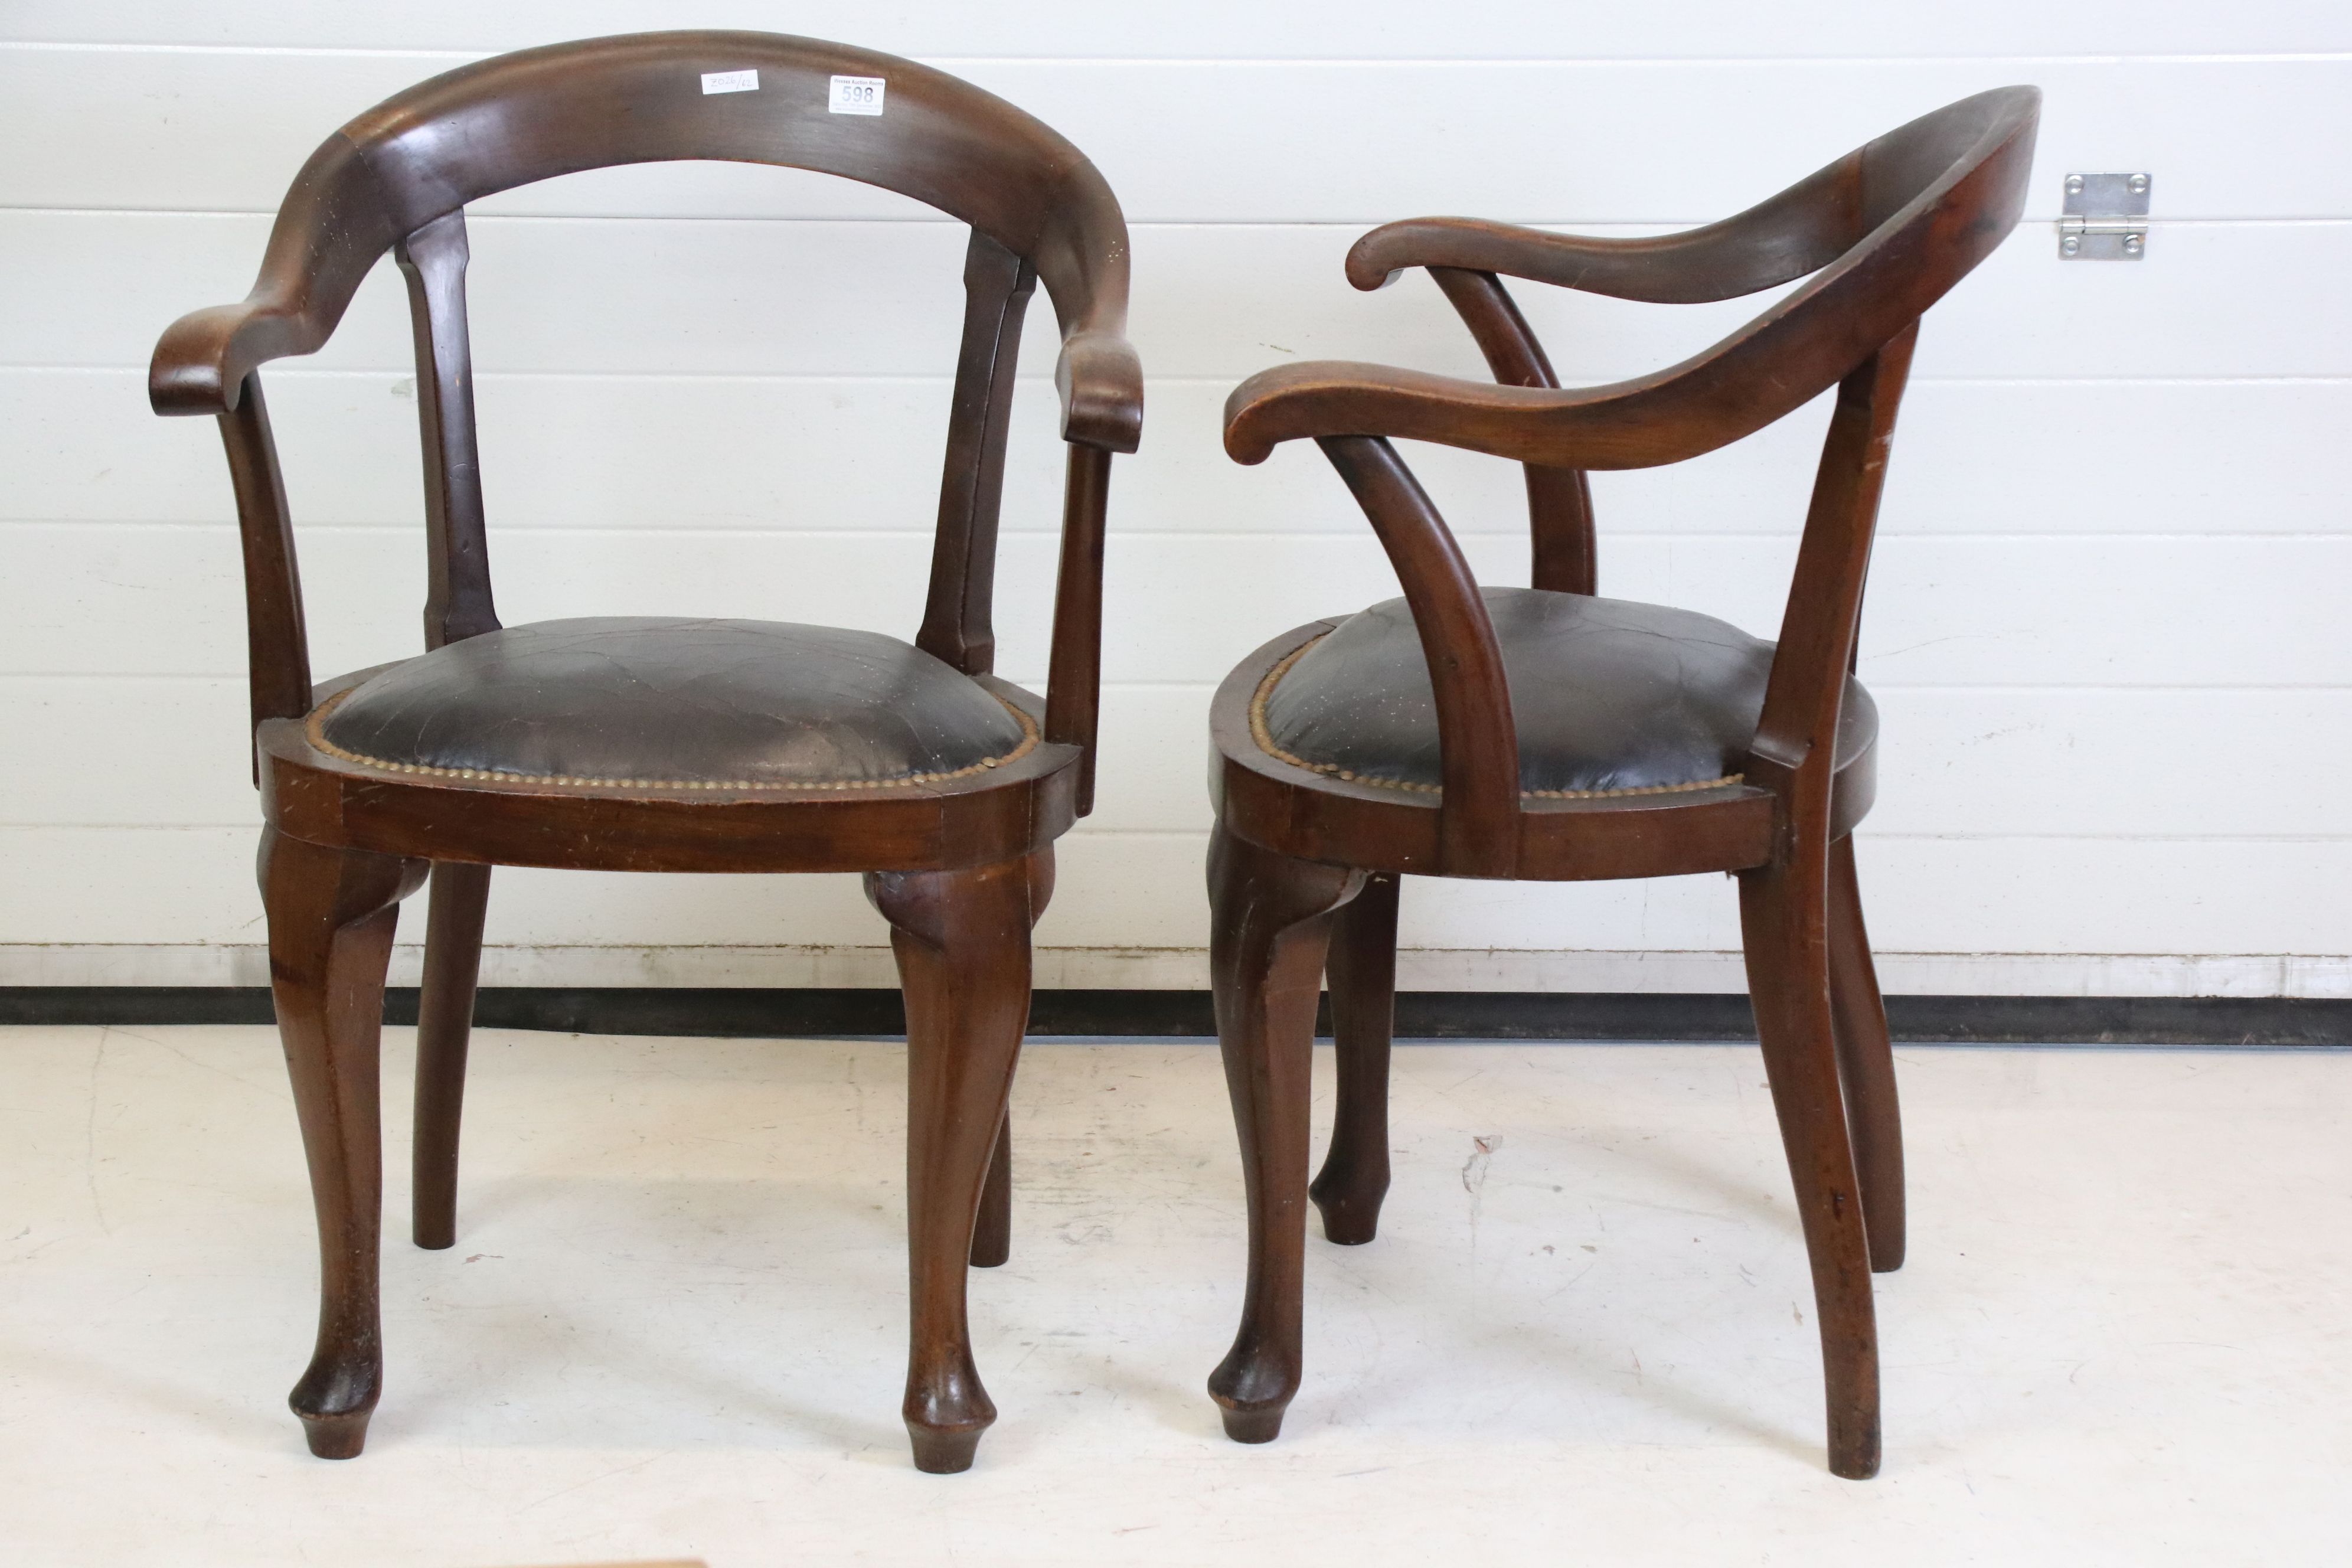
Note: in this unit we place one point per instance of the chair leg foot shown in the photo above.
(336, 1437)
(1361, 966)
(1784, 919)
(1855, 1456)
(339, 1391)
(1269, 929)
(1254, 1425)
(944, 1451)
(1348, 1220)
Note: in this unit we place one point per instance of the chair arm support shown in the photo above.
(1478, 742)
(277, 651)
(1073, 671)
(1802, 230)
(1794, 751)
(1101, 384)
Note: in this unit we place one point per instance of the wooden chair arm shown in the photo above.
(1804, 344)
(1628, 425)
(1101, 384)
(200, 362)
(1083, 259)
(205, 356)
(329, 234)
(1897, 193)
(1801, 230)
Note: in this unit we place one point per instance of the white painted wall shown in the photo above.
(2107, 619)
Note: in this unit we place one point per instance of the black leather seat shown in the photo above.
(1608, 697)
(697, 704)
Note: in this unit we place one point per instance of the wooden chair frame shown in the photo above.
(1302, 869)
(961, 867)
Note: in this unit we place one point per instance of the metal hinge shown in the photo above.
(2105, 218)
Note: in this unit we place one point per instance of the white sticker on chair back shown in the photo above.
(856, 95)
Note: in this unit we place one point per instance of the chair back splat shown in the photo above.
(956, 621)
(1560, 500)
(457, 595)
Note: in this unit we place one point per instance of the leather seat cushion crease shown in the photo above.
(687, 702)
(1608, 697)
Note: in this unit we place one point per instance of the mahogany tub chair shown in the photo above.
(654, 745)
(1544, 733)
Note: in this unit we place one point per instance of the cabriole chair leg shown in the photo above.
(331, 913)
(962, 939)
(1269, 929)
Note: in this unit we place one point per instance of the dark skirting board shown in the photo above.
(1185, 1015)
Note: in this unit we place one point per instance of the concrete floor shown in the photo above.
(673, 1323)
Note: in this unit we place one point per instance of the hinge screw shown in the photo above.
(2073, 184)
(2131, 244)
(2070, 245)
(2139, 184)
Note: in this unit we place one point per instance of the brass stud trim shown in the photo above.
(313, 731)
